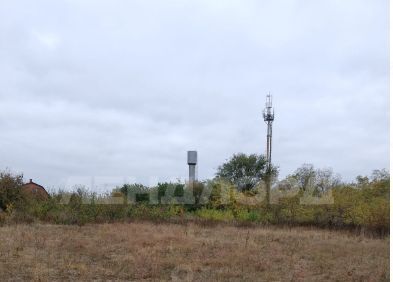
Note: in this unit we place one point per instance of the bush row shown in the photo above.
(358, 208)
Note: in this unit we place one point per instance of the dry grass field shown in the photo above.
(156, 252)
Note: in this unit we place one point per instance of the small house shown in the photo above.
(34, 190)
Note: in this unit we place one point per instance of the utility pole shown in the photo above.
(268, 117)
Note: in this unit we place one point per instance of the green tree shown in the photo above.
(305, 176)
(10, 189)
(380, 175)
(326, 179)
(315, 180)
(132, 189)
(362, 181)
(197, 191)
(246, 171)
(169, 192)
(134, 192)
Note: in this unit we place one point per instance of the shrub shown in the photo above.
(134, 192)
(245, 215)
(364, 207)
(214, 214)
(10, 189)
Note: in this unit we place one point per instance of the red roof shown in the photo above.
(35, 190)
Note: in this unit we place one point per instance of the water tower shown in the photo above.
(192, 157)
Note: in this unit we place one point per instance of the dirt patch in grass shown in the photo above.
(147, 251)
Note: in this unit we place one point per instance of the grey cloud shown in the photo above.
(125, 88)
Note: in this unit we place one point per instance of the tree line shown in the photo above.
(309, 196)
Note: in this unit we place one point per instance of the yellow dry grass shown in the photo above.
(156, 252)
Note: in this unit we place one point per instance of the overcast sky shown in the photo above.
(124, 88)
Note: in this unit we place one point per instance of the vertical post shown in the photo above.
(268, 116)
(191, 173)
(192, 158)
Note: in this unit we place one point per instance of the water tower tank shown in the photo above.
(192, 157)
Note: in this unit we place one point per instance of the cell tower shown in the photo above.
(268, 116)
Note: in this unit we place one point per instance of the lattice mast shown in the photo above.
(268, 116)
